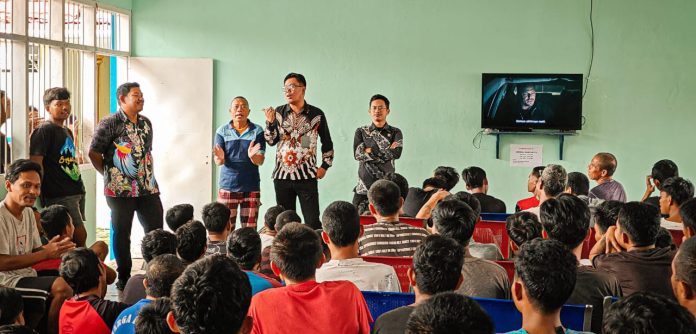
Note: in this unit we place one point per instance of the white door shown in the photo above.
(179, 102)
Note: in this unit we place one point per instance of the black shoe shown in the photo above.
(121, 284)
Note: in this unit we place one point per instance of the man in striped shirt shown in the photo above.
(388, 237)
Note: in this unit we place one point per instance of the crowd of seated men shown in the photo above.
(208, 277)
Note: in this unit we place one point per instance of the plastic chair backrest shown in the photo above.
(509, 267)
(492, 232)
(497, 217)
(382, 302)
(400, 265)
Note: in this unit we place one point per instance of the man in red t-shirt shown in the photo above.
(305, 306)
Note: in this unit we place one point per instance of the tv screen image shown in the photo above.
(524, 102)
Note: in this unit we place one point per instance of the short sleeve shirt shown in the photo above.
(127, 151)
(61, 170)
(17, 237)
(238, 173)
(125, 323)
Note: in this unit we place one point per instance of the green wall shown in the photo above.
(428, 56)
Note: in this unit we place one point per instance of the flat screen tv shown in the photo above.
(526, 102)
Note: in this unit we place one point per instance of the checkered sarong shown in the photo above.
(247, 204)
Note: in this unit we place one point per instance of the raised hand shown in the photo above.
(218, 155)
(254, 149)
(55, 247)
(270, 114)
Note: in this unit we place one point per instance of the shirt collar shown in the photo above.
(122, 115)
(374, 127)
(305, 109)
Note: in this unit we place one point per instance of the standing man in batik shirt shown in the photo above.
(296, 128)
(375, 146)
(52, 145)
(121, 150)
(239, 149)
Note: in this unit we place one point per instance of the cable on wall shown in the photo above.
(589, 71)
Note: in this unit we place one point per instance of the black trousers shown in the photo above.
(150, 213)
(288, 190)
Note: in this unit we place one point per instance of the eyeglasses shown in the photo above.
(290, 88)
(378, 108)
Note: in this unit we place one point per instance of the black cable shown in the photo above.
(478, 136)
(587, 79)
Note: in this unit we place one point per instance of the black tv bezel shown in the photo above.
(533, 128)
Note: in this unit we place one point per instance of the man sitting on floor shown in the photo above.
(674, 192)
(437, 267)
(178, 215)
(191, 242)
(305, 306)
(155, 243)
(244, 246)
(216, 218)
(342, 229)
(388, 237)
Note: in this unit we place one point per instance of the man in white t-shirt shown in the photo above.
(342, 229)
(675, 191)
(20, 246)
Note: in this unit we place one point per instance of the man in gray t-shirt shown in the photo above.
(601, 169)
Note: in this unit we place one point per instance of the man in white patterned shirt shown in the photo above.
(341, 232)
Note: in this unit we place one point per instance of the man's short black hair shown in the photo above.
(449, 312)
(473, 177)
(400, 181)
(547, 268)
(688, 213)
(522, 227)
(158, 242)
(216, 216)
(191, 241)
(536, 171)
(20, 166)
(297, 76)
(664, 239)
(16, 329)
(287, 217)
(55, 93)
(296, 250)
(385, 196)
(380, 97)
(684, 263)
(341, 222)
(606, 213)
(663, 170)
(269, 219)
(467, 198)
(640, 221)
(178, 215)
(244, 246)
(11, 305)
(54, 219)
(125, 88)
(680, 189)
(565, 218)
(454, 219)
(161, 273)
(447, 174)
(80, 268)
(212, 296)
(578, 183)
(647, 313)
(434, 182)
(152, 318)
(437, 263)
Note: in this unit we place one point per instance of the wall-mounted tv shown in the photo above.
(525, 102)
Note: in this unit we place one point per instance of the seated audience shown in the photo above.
(178, 215)
(674, 192)
(566, 219)
(552, 183)
(456, 220)
(400, 181)
(545, 275)
(244, 246)
(287, 217)
(388, 237)
(521, 227)
(687, 211)
(211, 296)
(87, 312)
(216, 218)
(152, 318)
(477, 183)
(23, 185)
(437, 267)
(155, 243)
(684, 275)
(444, 178)
(191, 241)
(664, 239)
(601, 170)
(661, 171)
(486, 251)
(532, 180)
(342, 229)
(162, 271)
(305, 306)
(605, 215)
(579, 185)
(631, 254)
(11, 307)
(268, 231)
(449, 313)
(648, 313)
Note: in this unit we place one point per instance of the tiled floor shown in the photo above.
(111, 292)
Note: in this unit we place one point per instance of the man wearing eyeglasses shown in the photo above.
(296, 127)
(375, 146)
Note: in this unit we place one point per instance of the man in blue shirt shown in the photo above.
(162, 271)
(239, 149)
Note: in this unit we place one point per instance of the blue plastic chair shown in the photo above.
(496, 217)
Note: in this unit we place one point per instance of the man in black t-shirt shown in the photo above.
(52, 145)
(477, 183)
